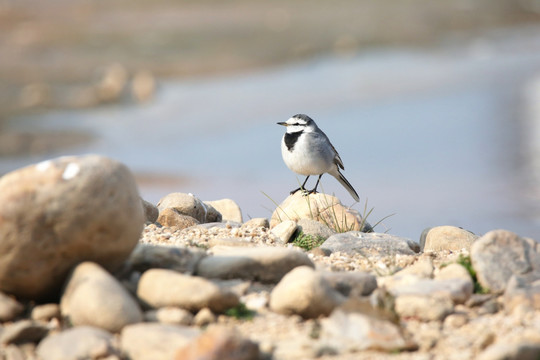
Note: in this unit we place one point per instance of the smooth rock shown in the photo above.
(94, 297)
(304, 292)
(266, 264)
(229, 210)
(256, 222)
(159, 288)
(520, 351)
(453, 271)
(447, 238)
(458, 290)
(204, 317)
(149, 341)
(370, 244)
(314, 228)
(81, 342)
(9, 308)
(60, 212)
(185, 204)
(151, 211)
(352, 332)
(424, 308)
(46, 312)
(285, 230)
(170, 315)
(219, 343)
(500, 254)
(522, 291)
(212, 214)
(354, 283)
(23, 331)
(143, 86)
(171, 217)
(320, 207)
(148, 256)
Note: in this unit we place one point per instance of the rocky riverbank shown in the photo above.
(89, 270)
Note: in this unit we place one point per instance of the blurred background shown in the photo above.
(434, 106)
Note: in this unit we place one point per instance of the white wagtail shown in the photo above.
(307, 151)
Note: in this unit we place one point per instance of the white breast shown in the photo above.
(309, 156)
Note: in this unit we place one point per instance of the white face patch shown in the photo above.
(44, 165)
(72, 169)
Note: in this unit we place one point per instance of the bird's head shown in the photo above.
(299, 122)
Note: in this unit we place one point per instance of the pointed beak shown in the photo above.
(282, 123)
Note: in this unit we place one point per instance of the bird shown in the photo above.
(306, 150)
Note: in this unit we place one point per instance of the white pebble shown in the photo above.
(44, 165)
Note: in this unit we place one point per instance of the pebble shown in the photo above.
(170, 315)
(369, 244)
(424, 308)
(315, 228)
(185, 204)
(160, 288)
(265, 264)
(148, 256)
(9, 308)
(151, 211)
(304, 292)
(94, 297)
(81, 342)
(146, 341)
(45, 312)
(229, 210)
(23, 331)
(204, 317)
(354, 283)
(353, 332)
(447, 238)
(285, 230)
(218, 343)
(173, 218)
(499, 254)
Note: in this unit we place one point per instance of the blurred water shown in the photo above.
(433, 136)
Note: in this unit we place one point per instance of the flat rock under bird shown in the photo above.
(306, 150)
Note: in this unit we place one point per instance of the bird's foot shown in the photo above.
(296, 190)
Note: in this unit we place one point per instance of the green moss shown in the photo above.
(307, 242)
(466, 262)
(240, 312)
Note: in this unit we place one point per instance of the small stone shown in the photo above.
(369, 244)
(521, 351)
(172, 218)
(229, 210)
(46, 312)
(423, 268)
(353, 332)
(457, 290)
(304, 292)
(23, 331)
(60, 212)
(424, 308)
(455, 321)
(204, 317)
(256, 222)
(170, 315)
(522, 291)
(94, 297)
(185, 204)
(265, 264)
(453, 271)
(151, 211)
(160, 288)
(81, 342)
(499, 254)
(219, 343)
(145, 341)
(285, 230)
(148, 256)
(351, 283)
(314, 228)
(9, 308)
(447, 238)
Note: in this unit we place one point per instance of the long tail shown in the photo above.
(346, 184)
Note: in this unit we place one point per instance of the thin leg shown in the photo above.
(303, 187)
(314, 191)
